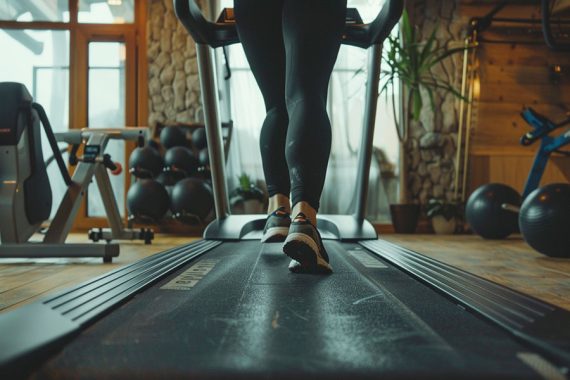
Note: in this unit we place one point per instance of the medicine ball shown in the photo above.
(544, 220)
(145, 162)
(191, 197)
(173, 136)
(168, 179)
(154, 144)
(485, 213)
(204, 157)
(181, 159)
(199, 138)
(147, 200)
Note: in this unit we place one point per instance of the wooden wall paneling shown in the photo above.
(499, 127)
(479, 172)
(513, 170)
(513, 76)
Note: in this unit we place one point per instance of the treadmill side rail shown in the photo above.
(537, 323)
(28, 332)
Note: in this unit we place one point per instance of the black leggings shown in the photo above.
(291, 46)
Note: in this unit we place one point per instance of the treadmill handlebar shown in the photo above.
(222, 34)
(202, 30)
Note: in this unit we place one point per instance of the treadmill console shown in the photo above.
(352, 17)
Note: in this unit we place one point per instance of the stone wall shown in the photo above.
(174, 88)
(432, 146)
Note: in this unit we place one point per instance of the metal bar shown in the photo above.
(371, 106)
(461, 120)
(109, 201)
(71, 202)
(41, 250)
(209, 89)
(472, 78)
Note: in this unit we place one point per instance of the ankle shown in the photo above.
(279, 201)
(309, 212)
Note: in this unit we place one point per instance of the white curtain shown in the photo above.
(346, 111)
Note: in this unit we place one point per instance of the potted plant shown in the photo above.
(409, 62)
(247, 198)
(443, 215)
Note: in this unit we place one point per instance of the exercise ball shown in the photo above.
(485, 213)
(199, 138)
(544, 220)
(154, 144)
(168, 179)
(191, 197)
(181, 159)
(147, 200)
(173, 136)
(145, 162)
(204, 157)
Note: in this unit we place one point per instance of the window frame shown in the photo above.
(134, 35)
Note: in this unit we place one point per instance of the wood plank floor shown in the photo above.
(509, 262)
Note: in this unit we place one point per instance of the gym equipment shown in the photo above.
(181, 160)
(172, 136)
(167, 179)
(547, 21)
(145, 162)
(153, 144)
(542, 128)
(488, 207)
(550, 30)
(199, 138)
(25, 191)
(545, 220)
(486, 214)
(191, 200)
(203, 157)
(147, 200)
(226, 307)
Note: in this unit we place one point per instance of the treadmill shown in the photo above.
(227, 307)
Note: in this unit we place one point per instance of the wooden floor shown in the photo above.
(509, 262)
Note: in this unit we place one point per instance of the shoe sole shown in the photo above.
(275, 235)
(303, 249)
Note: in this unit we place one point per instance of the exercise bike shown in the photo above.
(25, 191)
(542, 215)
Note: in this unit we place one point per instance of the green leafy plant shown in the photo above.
(247, 189)
(410, 63)
(448, 210)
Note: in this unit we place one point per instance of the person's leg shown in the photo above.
(259, 29)
(312, 34)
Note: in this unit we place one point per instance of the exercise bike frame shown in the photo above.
(542, 127)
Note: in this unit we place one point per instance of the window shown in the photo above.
(106, 109)
(78, 59)
(106, 11)
(29, 10)
(42, 58)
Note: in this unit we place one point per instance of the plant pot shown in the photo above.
(405, 217)
(253, 206)
(442, 226)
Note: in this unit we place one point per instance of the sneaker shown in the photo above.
(305, 246)
(276, 226)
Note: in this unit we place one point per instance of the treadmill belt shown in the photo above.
(237, 312)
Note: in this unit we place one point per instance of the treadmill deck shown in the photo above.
(237, 312)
